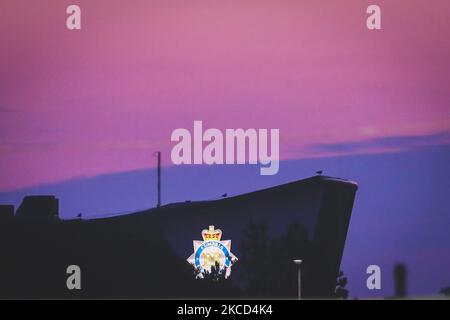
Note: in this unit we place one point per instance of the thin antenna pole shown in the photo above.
(159, 179)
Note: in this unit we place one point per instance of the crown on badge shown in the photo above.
(211, 234)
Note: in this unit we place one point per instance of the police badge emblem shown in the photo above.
(211, 251)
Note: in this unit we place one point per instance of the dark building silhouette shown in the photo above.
(6, 211)
(143, 255)
(320, 205)
(38, 207)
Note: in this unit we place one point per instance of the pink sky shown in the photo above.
(103, 99)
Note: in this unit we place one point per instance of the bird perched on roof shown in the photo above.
(225, 195)
(319, 172)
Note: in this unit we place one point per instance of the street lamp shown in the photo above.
(298, 264)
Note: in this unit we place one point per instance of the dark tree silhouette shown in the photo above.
(266, 265)
(341, 292)
(255, 261)
(212, 283)
(216, 273)
(445, 291)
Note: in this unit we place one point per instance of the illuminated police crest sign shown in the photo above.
(212, 251)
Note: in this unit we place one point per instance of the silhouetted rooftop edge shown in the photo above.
(313, 179)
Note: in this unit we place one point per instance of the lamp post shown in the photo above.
(298, 264)
(158, 186)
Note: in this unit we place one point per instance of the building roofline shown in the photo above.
(313, 179)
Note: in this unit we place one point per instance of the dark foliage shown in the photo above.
(341, 292)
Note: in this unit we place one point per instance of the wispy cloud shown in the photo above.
(7, 148)
(4, 109)
(383, 144)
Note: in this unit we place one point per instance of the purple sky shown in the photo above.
(78, 108)
(101, 100)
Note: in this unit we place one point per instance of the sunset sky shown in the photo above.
(103, 99)
(82, 112)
